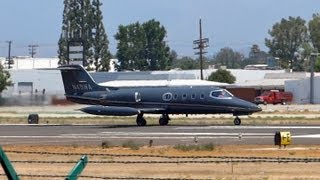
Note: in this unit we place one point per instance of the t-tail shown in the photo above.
(77, 81)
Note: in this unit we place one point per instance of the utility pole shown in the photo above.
(201, 44)
(32, 49)
(312, 62)
(9, 53)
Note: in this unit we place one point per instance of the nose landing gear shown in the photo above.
(237, 121)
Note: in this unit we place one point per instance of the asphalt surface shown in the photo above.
(160, 135)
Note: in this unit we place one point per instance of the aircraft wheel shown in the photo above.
(163, 121)
(141, 121)
(237, 121)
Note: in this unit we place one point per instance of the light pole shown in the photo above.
(9, 53)
(278, 61)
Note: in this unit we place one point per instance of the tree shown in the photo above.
(223, 76)
(287, 37)
(185, 63)
(101, 54)
(301, 61)
(63, 42)
(4, 79)
(131, 47)
(142, 47)
(317, 65)
(255, 49)
(76, 28)
(229, 58)
(256, 56)
(173, 58)
(314, 29)
(260, 57)
(157, 51)
(87, 25)
(82, 26)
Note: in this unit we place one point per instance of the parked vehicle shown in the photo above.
(274, 97)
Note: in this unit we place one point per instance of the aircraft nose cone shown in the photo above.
(251, 107)
(255, 108)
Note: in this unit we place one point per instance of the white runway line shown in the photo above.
(307, 136)
(183, 134)
(249, 127)
(64, 137)
(148, 135)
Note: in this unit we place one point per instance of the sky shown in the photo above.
(237, 24)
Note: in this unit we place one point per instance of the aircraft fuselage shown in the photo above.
(170, 100)
(81, 88)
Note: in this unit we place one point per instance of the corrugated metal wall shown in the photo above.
(301, 90)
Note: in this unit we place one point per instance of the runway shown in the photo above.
(160, 135)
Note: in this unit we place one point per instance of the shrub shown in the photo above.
(131, 144)
(105, 144)
(201, 147)
(223, 76)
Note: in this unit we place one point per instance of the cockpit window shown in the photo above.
(221, 94)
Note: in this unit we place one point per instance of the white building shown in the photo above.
(26, 62)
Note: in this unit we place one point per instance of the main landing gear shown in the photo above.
(140, 120)
(237, 121)
(163, 121)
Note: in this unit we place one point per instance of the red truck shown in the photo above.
(274, 97)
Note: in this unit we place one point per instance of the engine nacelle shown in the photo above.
(110, 110)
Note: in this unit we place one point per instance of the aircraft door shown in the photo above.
(137, 96)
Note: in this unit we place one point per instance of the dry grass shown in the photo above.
(192, 120)
(211, 170)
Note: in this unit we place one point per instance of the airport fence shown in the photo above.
(194, 159)
(103, 177)
(161, 159)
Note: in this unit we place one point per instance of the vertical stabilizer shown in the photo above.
(77, 81)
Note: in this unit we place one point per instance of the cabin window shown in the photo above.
(184, 96)
(221, 94)
(175, 96)
(193, 96)
(167, 96)
(137, 97)
(201, 96)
